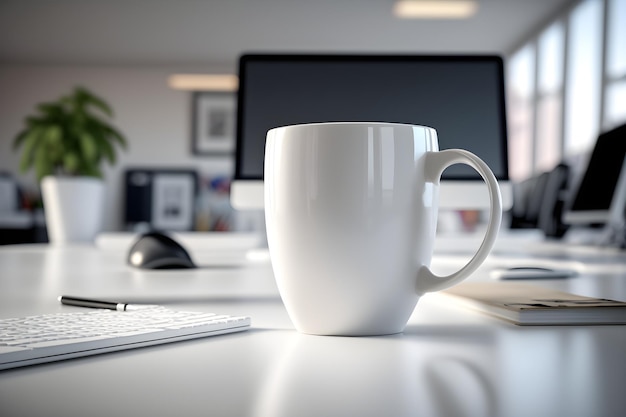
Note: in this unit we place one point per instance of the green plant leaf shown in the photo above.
(19, 139)
(90, 98)
(53, 136)
(71, 162)
(32, 122)
(88, 147)
(91, 171)
(105, 148)
(31, 141)
(43, 166)
(111, 131)
(51, 110)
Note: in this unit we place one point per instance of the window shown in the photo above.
(615, 110)
(520, 96)
(576, 95)
(549, 96)
(584, 80)
(616, 39)
(615, 96)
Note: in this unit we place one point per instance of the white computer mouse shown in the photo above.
(532, 272)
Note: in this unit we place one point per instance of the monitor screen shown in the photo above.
(599, 187)
(462, 97)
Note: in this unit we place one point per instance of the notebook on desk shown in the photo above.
(526, 305)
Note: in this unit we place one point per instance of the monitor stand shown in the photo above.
(249, 195)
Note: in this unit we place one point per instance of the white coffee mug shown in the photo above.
(351, 215)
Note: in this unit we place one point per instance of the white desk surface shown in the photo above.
(448, 362)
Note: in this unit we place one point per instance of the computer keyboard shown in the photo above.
(53, 337)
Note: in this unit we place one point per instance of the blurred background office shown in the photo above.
(164, 65)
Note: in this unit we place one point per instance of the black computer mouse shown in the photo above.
(156, 250)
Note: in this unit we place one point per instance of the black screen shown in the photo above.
(597, 187)
(462, 97)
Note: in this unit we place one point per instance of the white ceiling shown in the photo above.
(191, 32)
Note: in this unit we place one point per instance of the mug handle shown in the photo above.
(435, 163)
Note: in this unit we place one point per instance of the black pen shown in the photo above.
(85, 302)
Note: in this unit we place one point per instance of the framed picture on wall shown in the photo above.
(213, 129)
(161, 199)
(173, 198)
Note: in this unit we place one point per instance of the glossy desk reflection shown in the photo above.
(448, 362)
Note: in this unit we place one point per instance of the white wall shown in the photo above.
(155, 119)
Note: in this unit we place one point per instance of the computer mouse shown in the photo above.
(531, 272)
(156, 250)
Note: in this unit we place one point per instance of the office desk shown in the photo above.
(449, 361)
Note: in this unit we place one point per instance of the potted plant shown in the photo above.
(65, 143)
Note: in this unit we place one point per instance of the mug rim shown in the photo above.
(374, 124)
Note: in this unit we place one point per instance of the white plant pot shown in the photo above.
(73, 207)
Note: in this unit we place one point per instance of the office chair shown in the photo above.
(535, 200)
(550, 214)
(521, 195)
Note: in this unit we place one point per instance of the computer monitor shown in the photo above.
(462, 97)
(600, 192)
